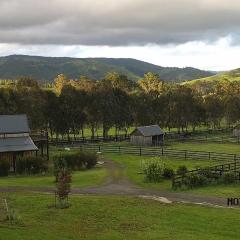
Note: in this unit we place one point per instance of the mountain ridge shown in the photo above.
(45, 69)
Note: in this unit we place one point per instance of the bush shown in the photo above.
(63, 187)
(182, 170)
(75, 161)
(206, 172)
(168, 173)
(31, 165)
(229, 177)
(153, 172)
(89, 159)
(59, 163)
(194, 180)
(4, 167)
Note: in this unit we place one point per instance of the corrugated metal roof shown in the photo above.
(17, 144)
(14, 124)
(148, 131)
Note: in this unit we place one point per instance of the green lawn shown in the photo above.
(132, 171)
(117, 218)
(85, 178)
(208, 147)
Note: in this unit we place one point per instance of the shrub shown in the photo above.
(75, 161)
(4, 167)
(31, 165)
(194, 180)
(168, 173)
(89, 159)
(59, 163)
(153, 172)
(229, 177)
(63, 187)
(182, 170)
(206, 172)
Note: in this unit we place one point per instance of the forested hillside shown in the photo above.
(115, 101)
(45, 69)
(209, 83)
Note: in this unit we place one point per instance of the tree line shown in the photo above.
(116, 101)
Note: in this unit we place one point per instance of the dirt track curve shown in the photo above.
(118, 184)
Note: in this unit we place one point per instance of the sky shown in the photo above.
(204, 34)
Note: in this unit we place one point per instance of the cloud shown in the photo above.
(117, 23)
(218, 56)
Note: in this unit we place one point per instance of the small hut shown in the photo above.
(147, 135)
(236, 131)
(14, 138)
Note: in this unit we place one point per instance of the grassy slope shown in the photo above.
(91, 177)
(209, 82)
(120, 218)
(133, 169)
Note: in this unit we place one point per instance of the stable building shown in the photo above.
(236, 131)
(147, 136)
(15, 139)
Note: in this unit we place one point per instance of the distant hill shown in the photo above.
(209, 82)
(47, 68)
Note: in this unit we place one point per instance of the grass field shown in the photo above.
(208, 147)
(133, 168)
(86, 178)
(114, 218)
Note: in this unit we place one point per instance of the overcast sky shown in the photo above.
(199, 33)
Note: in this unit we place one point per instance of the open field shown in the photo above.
(113, 218)
(207, 146)
(92, 177)
(133, 171)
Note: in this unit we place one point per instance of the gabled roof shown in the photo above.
(237, 126)
(148, 131)
(13, 124)
(17, 144)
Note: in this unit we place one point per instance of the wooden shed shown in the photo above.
(14, 138)
(236, 131)
(147, 135)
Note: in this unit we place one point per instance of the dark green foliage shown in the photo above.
(153, 172)
(229, 177)
(206, 172)
(4, 167)
(194, 180)
(31, 165)
(168, 173)
(59, 163)
(75, 161)
(89, 159)
(181, 170)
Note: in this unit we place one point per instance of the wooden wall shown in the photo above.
(141, 140)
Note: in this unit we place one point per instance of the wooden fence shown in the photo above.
(215, 172)
(76, 140)
(158, 151)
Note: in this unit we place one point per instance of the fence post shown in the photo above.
(99, 148)
(173, 182)
(235, 162)
(119, 149)
(185, 154)
(140, 151)
(209, 155)
(162, 151)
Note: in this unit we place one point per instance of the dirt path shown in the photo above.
(118, 184)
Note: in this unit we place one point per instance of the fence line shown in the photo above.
(214, 173)
(158, 151)
(72, 140)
